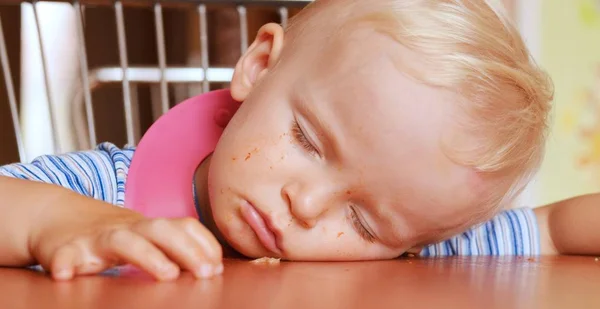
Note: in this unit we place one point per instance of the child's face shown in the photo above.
(339, 151)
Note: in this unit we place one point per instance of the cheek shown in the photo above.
(264, 150)
(332, 239)
(252, 132)
(250, 155)
(260, 154)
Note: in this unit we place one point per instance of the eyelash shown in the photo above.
(360, 228)
(300, 137)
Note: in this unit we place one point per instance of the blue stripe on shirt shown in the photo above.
(512, 232)
(99, 173)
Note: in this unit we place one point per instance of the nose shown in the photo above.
(308, 201)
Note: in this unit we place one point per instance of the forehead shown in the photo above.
(389, 129)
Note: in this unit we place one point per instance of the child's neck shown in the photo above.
(201, 185)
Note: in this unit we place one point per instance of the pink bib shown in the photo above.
(159, 182)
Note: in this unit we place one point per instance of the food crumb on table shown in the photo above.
(266, 261)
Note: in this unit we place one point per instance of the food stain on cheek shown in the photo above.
(340, 234)
(251, 153)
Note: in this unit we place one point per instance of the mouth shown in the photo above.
(261, 226)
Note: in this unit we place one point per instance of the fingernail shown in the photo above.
(62, 274)
(219, 269)
(168, 269)
(205, 271)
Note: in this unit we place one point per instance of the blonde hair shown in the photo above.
(472, 48)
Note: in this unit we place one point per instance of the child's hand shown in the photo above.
(159, 246)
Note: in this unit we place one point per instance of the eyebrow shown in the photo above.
(394, 237)
(381, 229)
(395, 227)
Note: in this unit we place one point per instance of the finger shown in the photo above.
(62, 266)
(129, 247)
(179, 239)
(202, 257)
(77, 259)
(92, 264)
(204, 237)
(192, 230)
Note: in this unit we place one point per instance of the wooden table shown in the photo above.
(550, 282)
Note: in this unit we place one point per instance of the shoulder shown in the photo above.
(114, 151)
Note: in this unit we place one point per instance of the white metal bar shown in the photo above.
(243, 14)
(152, 75)
(135, 99)
(162, 55)
(83, 64)
(284, 16)
(125, 79)
(55, 137)
(203, 45)
(12, 99)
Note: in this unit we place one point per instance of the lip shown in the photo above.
(262, 227)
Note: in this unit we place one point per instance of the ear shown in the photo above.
(261, 56)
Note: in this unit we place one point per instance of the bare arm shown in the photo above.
(63, 217)
(570, 226)
(29, 207)
(70, 234)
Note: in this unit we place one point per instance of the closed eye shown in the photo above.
(359, 226)
(300, 138)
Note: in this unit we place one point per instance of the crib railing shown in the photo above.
(160, 75)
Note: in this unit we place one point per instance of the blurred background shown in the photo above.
(108, 69)
(569, 48)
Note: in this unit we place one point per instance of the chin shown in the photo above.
(251, 255)
(234, 233)
(246, 250)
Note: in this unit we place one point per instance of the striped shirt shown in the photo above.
(101, 174)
